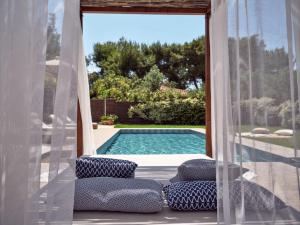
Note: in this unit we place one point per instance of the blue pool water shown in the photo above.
(158, 141)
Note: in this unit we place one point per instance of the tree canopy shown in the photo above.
(180, 64)
(53, 38)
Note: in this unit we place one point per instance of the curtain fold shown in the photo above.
(39, 58)
(85, 104)
(256, 89)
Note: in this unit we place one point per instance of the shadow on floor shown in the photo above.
(167, 216)
(161, 174)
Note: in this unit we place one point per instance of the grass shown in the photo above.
(286, 142)
(157, 126)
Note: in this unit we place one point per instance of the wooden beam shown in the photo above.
(207, 88)
(144, 10)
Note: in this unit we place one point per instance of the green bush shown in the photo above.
(111, 117)
(285, 114)
(264, 111)
(178, 111)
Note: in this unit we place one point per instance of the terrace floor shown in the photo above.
(157, 167)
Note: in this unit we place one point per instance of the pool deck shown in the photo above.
(157, 167)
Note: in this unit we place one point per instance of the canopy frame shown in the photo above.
(164, 7)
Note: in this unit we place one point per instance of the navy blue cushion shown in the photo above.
(192, 195)
(104, 167)
(204, 169)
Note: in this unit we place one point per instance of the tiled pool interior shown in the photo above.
(154, 141)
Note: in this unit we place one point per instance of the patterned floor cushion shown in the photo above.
(192, 195)
(203, 169)
(118, 194)
(255, 197)
(104, 167)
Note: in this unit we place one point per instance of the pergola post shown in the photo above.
(207, 87)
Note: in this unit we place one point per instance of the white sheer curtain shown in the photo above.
(256, 84)
(39, 48)
(85, 105)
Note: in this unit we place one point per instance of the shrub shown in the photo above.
(178, 111)
(109, 119)
(265, 111)
(285, 114)
(153, 79)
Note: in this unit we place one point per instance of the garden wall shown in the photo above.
(112, 107)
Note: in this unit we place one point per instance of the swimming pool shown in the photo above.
(154, 141)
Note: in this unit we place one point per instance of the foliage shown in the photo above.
(171, 111)
(180, 64)
(117, 87)
(262, 83)
(269, 70)
(151, 103)
(111, 117)
(153, 79)
(263, 110)
(266, 112)
(285, 114)
(53, 39)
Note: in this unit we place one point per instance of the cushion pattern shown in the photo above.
(118, 194)
(104, 167)
(203, 169)
(192, 196)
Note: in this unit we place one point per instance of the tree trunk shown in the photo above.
(195, 83)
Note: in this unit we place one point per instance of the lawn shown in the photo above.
(156, 126)
(286, 142)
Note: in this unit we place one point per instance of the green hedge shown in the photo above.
(266, 112)
(177, 111)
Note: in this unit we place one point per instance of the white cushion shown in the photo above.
(284, 132)
(260, 130)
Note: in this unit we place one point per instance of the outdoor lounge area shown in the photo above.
(162, 168)
(196, 132)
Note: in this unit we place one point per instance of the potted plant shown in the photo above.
(109, 119)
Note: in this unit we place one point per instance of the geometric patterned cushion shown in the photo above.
(104, 167)
(255, 197)
(196, 169)
(118, 194)
(192, 195)
(203, 169)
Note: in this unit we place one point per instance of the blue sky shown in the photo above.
(140, 28)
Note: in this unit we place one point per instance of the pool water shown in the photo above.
(156, 141)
